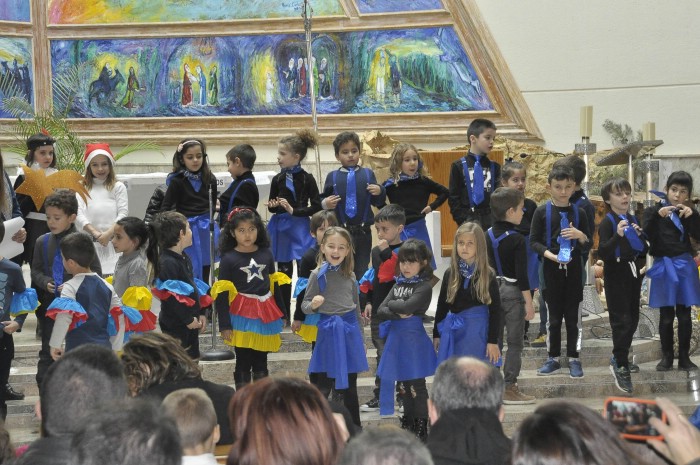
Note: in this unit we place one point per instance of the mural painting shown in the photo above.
(16, 77)
(396, 6)
(14, 10)
(417, 70)
(157, 11)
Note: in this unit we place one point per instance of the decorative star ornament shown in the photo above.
(253, 270)
(38, 186)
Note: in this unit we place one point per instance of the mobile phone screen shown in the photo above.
(631, 417)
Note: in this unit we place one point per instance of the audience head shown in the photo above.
(571, 433)
(385, 445)
(283, 420)
(154, 358)
(7, 450)
(92, 375)
(130, 432)
(465, 382)
(195, 417)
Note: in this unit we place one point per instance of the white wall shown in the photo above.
(634, 61)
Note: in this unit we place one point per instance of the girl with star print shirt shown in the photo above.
(249, 313)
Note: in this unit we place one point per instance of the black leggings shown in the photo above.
(415, 399)
(250, 360)
(685, 329)
(347, 397)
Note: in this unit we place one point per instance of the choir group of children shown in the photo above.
(504, 249)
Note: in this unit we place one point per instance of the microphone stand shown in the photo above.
(213, 354)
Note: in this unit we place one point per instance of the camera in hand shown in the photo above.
(631, 417)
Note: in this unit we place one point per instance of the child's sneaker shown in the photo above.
(623, 380)
(550, 367)
(370, 406)
(540, 341)
(575, 370)
(513, 396)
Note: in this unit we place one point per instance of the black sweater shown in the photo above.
(182, 197)
(609, 241)
(379, 290)
(538, 236)
(308, 201)
(459, 201)
(247, 196)
(413, 196)
(464, 300)
(524, 226)
(664, 237)
(512, 254)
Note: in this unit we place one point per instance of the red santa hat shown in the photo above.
(93, 150)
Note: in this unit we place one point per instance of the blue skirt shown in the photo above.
(289, 236)
(464, 333)
(408, 354)
(199, 250)
(674, 280)
(418, 230)
(339, 349)
(533, 265)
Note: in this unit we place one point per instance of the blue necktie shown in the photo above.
(351, 194)
(478, 190)
(57, 268)
(289, 178)
(632, 236)
(564, 255)
(673, 216)
(321, 276)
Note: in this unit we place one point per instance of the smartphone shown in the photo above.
(631, 417)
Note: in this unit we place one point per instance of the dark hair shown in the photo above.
(681, 178)
(136, 229)
(78, 246)
(393, 213)
(571, 433)
(561, 173)
(155, 358)
(92, 374)
(300, 142)
(466, 382)
(305, 431)
(577, 165)
(478, 126)
(228, 241)
(509, 169)
(345, 137)
(415, 250)
(130, 432)
(243, 152)
(179, 158)
(63, 199)
(7, 450)
(614, 185)
(320, 217)
(503, 199)
(163, 233)
(36, 141)
(2, 231)
(385, 445)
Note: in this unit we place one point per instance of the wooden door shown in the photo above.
(438, 163)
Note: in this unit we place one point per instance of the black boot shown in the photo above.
(666, 362)
(420, 427)
(684, 362)
(241, 379)
(257, 375)
(11, 394)
(406, 423)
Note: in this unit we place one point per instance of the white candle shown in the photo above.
(649, 131)
(586, 121)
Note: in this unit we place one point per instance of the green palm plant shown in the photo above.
(70, 147)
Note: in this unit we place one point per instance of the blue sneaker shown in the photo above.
(575, 370)
(550, 367)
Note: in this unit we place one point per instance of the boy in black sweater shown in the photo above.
(242, 192)
(389, 223)
(560, 234)
(508, 256)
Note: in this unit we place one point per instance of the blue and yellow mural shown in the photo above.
(416, 70)
(16, 76)
(158, 11)
(396, 6)
(14, 10)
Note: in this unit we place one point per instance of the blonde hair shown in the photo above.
(482, 272)
(348, 265)
(397, 160)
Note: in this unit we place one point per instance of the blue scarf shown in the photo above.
(412, 280)
(289, 178)
(321, 276)
(194, 178)
(467, 271)
(673, 216)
